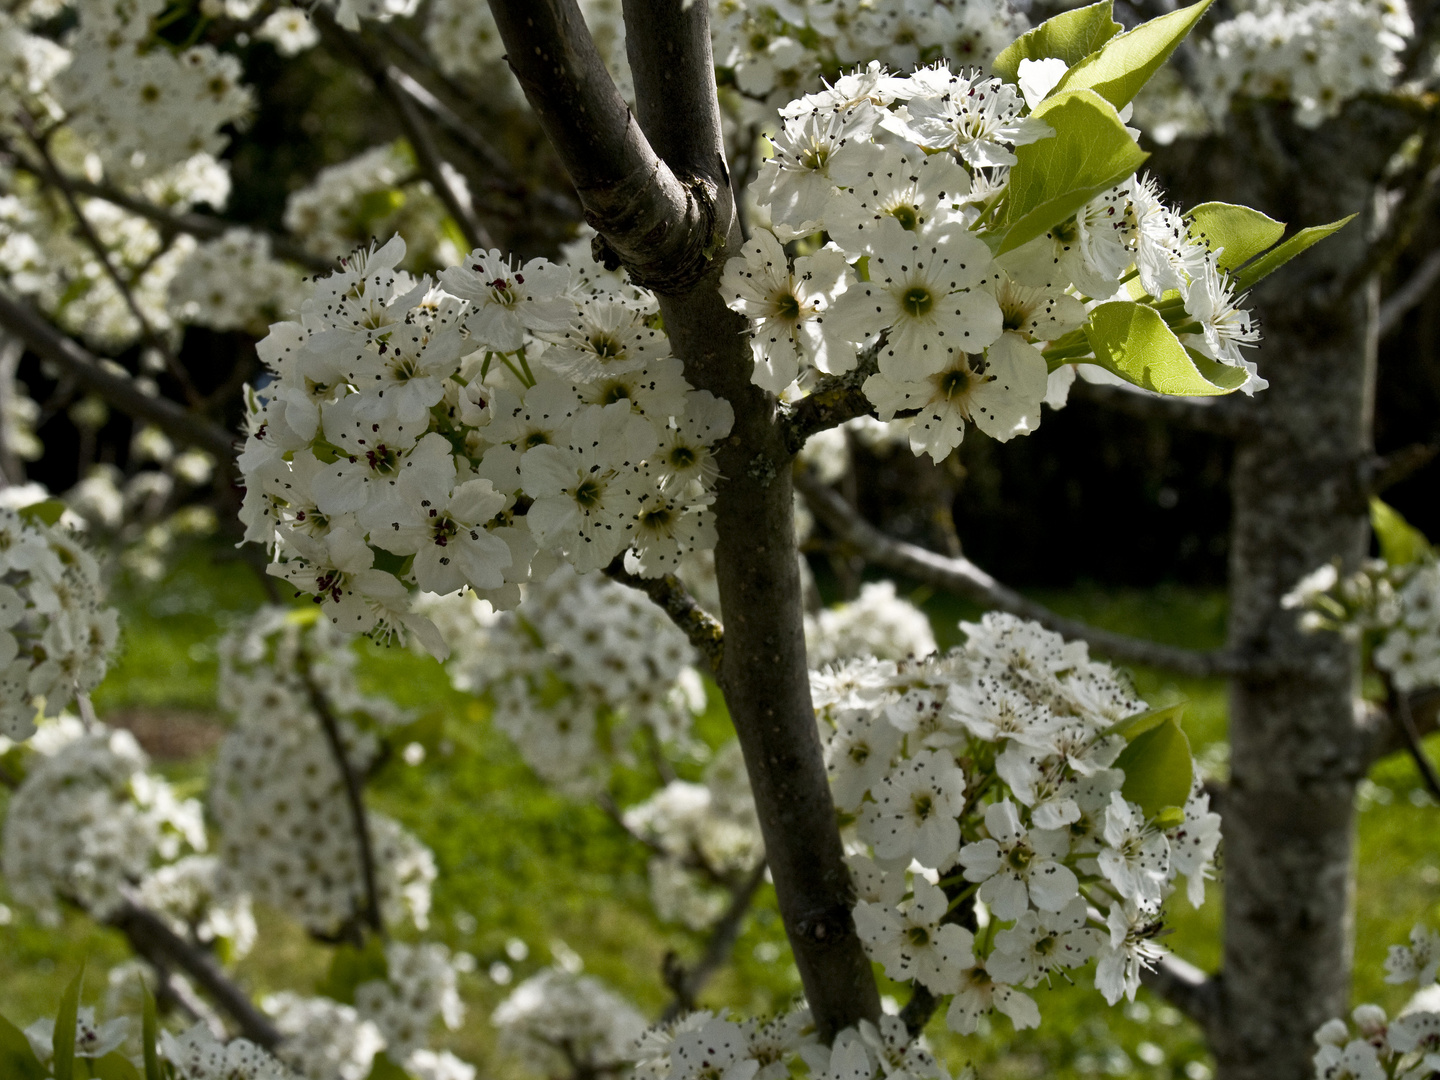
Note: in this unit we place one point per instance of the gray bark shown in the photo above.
(1297, 752)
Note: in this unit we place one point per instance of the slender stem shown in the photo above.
(1412, 741)
(961, 576)
(668, 594)
(359, 820)
(687, 983)
(153, 939)
(93, 242)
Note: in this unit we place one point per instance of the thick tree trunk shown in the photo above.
(1296, 752)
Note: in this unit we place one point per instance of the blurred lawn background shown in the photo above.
(528, 878)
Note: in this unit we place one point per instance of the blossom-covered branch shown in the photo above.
(960, 575)
(671, 596)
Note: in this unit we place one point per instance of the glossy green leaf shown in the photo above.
(149, 1032)
(46, 512)
(1240, 232)
(350, 967)
(17, 1056)
(1400, 542)
(1090, 152)
(1272, 260)
(64, 1040)
(1125, 63)
(1132, 341)
(1158, 768)
(1142, 722)
(114, 1066)
(1070, 36)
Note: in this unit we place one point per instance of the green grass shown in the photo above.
(518, 862)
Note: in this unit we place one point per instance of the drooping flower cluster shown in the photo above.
(1395, 606)
(575, 671)
(233, 283)
(990, 773)
(556, 1021)
(1316, 53)
(905, 175)
(56, 634)
(89, 823)
(419, 988)
(277, 792)
(708, 837)
(447, 437)
(198, 1055)
(876, 623)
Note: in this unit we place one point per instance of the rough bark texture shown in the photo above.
(1297, 752)
(630, 196)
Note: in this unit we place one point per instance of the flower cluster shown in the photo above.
(988, 777)
(772, 52)
(418, 988)
(89, 823)
(1374, 1047)
(555, 1021)
(198, 1055)
(140, 104)
(706, 835)
(373, 194)
(1397, 606)
(277, 792)
(574, 671)
(904, 175)
(233, 283)
(1316, 53)
(449, 436)
(56, 634)
(876, 623)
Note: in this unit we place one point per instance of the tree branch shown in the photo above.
(153, 939)
(1415, 288)
(1381, 728)
(836, 399)
(441, 174)
(1405, 720)
(1227, 416)
(1186, 987)
(688, 982)
(359, 820)
(961, 576)
(117, 389)
(1389, 470)
(659, 225)
(671, 597)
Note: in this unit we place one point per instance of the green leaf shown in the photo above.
(17, 1056)
(350, 967)
(1051, 179)
(1125, 63)
(114, 1066)
(1241, 232)
(1271, 261)
(1132, 341)
(1142, 722)
(64, 1040)
(149, 1032)
(1070, 36)
(1400, 542)
(1158, 768)
(46, 513)
(382, 1068)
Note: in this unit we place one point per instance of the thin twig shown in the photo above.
(1184, 986)
(153, 939)
(1415, 288)
(1412, 741)
(688, 982)
(1389, 470)
(115, 388)
(671, 596)
(359, 820)
(961, 576)
(92, 240)
(1407, 215)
